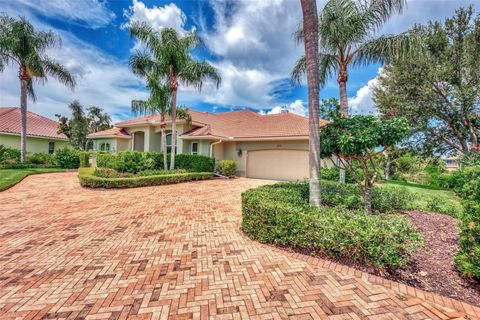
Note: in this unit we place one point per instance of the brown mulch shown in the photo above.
(432, 267)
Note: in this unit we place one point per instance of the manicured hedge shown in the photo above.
(85, 159)
(67, 158)
(26, 165)
(280, 214)
(384, 198)
(88, 180)
(227, 168)
(134, 161)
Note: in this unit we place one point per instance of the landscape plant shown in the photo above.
(172, 60)
(22, 45)
(437, 89)
(67, 158)
(359, 140)
(227, 168)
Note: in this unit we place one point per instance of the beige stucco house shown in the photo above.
(42, 133)
(272, 146)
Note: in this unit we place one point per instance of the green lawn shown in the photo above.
(430, 198)
(10, 177)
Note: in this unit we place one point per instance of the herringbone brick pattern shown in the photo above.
(169, 252)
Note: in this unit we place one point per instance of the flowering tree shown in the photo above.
(357, 141)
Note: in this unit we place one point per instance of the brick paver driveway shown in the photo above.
(171, 252)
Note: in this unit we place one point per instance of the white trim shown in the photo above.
(108, 137)
(245, 139)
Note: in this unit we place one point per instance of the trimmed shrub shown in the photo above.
(26, 165)
(105, 160)
(280, 214)
(9, 155)
(468, 256)
(67, 158)
(384, 198)
(194, 162)
(85, 159)
(227, 167)
(88, 180)
(333, 174)
(42, 158)
(444, 206)
(105, 173)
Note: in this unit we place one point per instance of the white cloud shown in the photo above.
(169, 16)
(89, 13)
(362, 102)
(296, 107)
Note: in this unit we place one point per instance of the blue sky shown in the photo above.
(250, 42)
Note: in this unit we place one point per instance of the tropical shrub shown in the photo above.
(194, 162)
(333, 174)
(159, 172)
(443, 206)
(280, 214)
(85, 159)
(105, 160)
(106, 173)
(42, 158)
(9, 155)
(227, 168)
(468, 256)
(355, 141)
(67, 158)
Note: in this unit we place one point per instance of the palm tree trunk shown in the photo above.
(174, 123)
(342, 83)
(164, 141)
(23, 110)
(310, 28)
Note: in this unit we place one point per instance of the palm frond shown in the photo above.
(30, 91)
(182, 113)
(377, 12)
(58, 71)
(142, 107)
(388, 48)
(327, 64)
(195, 73)
(141, 63)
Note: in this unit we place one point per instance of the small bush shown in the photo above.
(227, 168)
(26, 165)
(106, 173)
(468, 256)
(443, 206)
(67, 158)
(280, 214)
(91, 181)
(194, 162)
(41, 158)
(9, 155)
(85, 159)
(105, 160)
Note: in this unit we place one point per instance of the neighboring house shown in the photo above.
(452, 163)
(264, 146)
(42, 133)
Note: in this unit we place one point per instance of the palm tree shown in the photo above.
(346, 29)
(174, 63)
(159, 103)
(310, 22)
(20, 44)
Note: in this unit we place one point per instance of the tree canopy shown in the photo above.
(79, 125)
(438, 89)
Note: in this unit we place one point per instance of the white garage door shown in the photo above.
(278, 164)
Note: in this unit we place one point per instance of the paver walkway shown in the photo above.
(170, 252)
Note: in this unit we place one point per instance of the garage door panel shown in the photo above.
(278, 164)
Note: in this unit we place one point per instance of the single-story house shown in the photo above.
(42, 133)
(268, 146)
(452, 163)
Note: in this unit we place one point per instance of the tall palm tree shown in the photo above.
(310, 23)
(20, 44)
(174, 63)
(346, 38)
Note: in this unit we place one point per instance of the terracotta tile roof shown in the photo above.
(37, 125)
(117, 132)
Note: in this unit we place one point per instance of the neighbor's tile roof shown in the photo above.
(118, 132)
(238, 124)
(37, 125)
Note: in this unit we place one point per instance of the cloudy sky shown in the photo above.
(250, 42)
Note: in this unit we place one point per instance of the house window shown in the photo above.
(51, 147)
(169, 143)
(105, 146)
(194, 147)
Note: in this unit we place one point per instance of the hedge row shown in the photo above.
(280, 214)
(88, 180)
(134, 161)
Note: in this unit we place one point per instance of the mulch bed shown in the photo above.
(432, 268)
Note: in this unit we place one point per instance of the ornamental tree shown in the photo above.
(357, 141)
